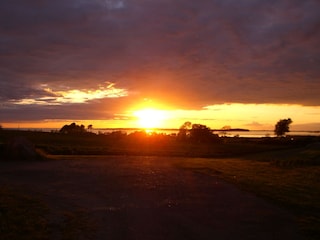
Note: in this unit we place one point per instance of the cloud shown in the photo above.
(189, 54)
(115, 4)
(255, 125)
(52, 97)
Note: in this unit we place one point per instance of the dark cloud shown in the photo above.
(89, 111)
(187, 53)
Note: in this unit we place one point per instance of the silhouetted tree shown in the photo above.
(184, 131)
(90, 127)
(282, 127)
(196, 132)
(200, 133)
(72, 129)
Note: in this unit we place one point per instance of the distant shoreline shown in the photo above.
(234, 132)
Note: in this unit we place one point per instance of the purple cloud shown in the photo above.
(190, 54)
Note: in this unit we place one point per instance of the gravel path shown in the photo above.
(147, 198)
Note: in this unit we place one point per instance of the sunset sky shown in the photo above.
(152, 63)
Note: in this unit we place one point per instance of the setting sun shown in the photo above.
(150, 118)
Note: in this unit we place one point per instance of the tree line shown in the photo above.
(187, 131)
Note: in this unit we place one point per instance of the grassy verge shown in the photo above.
(23, 216)
(294, 187)
(142, 144)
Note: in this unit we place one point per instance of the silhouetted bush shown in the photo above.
(73, 129)
(198, 133)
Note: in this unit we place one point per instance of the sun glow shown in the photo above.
(150, 118)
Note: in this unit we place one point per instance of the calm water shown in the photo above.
(252, 133)
(266, 133)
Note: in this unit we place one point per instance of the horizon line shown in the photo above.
(167, 129)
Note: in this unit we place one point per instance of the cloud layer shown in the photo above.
(187, 54)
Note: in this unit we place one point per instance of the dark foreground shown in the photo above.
(108, 197)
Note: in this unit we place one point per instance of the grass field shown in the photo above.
(144, 144)
(21, 216)
(294, 188)
(26, 217)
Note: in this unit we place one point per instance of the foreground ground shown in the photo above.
(117, 197)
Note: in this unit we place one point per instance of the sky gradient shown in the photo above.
(239, 63)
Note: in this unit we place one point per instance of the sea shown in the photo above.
(245, 134)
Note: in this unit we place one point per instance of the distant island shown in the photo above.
(231, 130)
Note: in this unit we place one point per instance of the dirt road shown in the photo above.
(147, 198)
